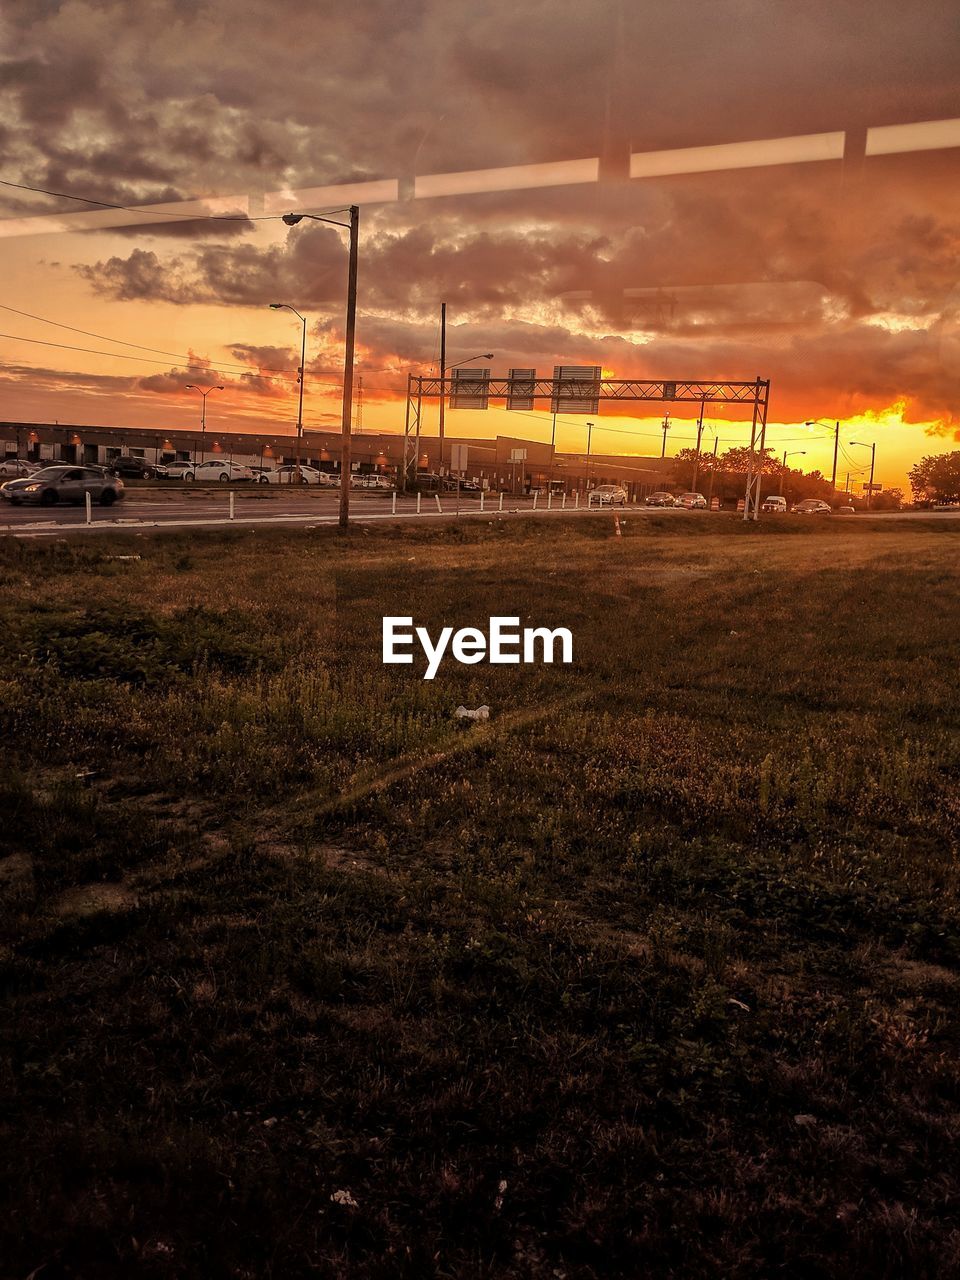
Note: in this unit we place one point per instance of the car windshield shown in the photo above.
(49, 472)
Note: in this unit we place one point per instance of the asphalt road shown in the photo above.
(173, 509)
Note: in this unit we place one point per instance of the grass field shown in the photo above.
(655, 974)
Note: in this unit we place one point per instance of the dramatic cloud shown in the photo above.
(835, 279)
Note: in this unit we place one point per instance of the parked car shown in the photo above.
(51, 485)
(812, 507)
(659, 499)
(175, 470)
(132, 467)
(17, 467)
(289, 473)
(222, 471)
(774, 503)
(846, 511)
(692, 501)
(371, 481)
(608, 495)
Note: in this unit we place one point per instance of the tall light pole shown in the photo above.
(285, 306)
(666, 428)
(350, 333)
(783, 466)
(589, 434)
(873, 458)
(822, 422)
(204, 392)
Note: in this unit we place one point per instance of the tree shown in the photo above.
(936, 478)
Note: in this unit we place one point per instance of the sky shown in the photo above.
(720, 250)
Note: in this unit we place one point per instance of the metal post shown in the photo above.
(350, 340)
(549, 499)
(713, 470)
(393, 508)
(536, 494)
(443, 370)
(563, 501)
(576, 500)
(873, 459)
(303, 372)
(89, 505)
(232, 496)
(439, 508)
(481, 502)
(418, 502)
(501, 499)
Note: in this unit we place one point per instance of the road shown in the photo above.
(195, 508)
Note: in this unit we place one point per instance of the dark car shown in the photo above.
(811, 507)
(51, 485)
(660, 499)
(131, 467)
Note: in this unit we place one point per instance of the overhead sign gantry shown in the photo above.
(581, 389)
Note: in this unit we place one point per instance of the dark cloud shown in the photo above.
(837, 280)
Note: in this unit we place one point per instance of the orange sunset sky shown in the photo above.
(828, 265)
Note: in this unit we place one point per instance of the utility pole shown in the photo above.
(713, 470)
(359, 427)
(873, 458)
(836, 446)
(203, 412)
(589, 434)
(349, 343)
(666, 428)
(696, 460)
(443, 370)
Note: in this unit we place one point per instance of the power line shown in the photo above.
(147, 213)
(117, 355)
(176, 355)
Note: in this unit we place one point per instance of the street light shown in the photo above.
(291, 220)
(285, 306)
(204, 392)
(873, 458)
(784, 465)
(587, 475)
(822, 422)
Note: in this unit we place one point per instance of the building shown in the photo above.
(510, 463)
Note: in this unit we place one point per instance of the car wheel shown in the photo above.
(48, 498)
(108, 497)
(224, 479)
(188, 477)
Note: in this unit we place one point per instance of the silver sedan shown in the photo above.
(51, 485)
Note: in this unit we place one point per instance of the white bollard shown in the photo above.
(550, 500)
(393, 510)
(418, 502)
(439, 508)
(576, 500)
(481, 502)
(535, 496)
(501, 499)
(232, 512)
(563, 501)
(89, 505)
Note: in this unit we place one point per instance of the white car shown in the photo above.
(287, 474)
(222, 471)
(371, 481)
(17, 467)
(175, 470)
(607, 495)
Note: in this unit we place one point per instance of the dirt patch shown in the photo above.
(89, 899)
